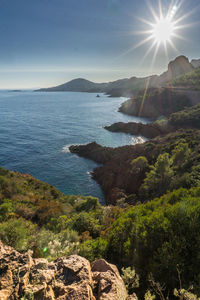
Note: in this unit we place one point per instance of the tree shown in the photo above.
(158, 179)
(180, 155)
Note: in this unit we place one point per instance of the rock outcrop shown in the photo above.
(114, 176)
(177, 67)
(93, 151)
(150, 130)
(69, 278)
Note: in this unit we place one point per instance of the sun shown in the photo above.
(163, 30)
(163, 27)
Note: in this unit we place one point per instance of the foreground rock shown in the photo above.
(68, 278)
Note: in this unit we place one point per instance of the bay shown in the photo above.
(37, 128)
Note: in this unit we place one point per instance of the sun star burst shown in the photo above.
(162, 30)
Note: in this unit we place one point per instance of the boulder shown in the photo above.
(67, 278)
(109, 284)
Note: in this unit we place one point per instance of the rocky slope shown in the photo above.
(69, 278)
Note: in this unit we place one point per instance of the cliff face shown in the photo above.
(179, 66)
(68, 278)
(155, 103)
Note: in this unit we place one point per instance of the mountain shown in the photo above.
(126, 86)
(195, 63)
(77, 85)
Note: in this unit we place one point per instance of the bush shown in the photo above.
(86, 222)
(51, 245)
(158, 235)
(6, 209)
(93, 249)
(131, 279)
(18, 233)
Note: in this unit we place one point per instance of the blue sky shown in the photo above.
(48, 42)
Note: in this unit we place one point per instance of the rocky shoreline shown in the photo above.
(114, 175)
(150, 130)
(117, 176)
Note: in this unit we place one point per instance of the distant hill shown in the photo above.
(127, 86)
(78, 85)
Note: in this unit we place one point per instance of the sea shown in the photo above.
(37, 128)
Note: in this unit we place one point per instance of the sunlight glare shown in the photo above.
(163, 30)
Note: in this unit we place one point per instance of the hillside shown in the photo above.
(190, 80)
(127, 86)
(123, 176)
(138, 239)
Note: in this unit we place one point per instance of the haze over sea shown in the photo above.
(36, 129)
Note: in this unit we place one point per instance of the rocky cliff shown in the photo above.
(155, 103)
(177, 67)
(68, 278)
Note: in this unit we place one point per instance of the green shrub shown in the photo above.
(18, 233)
(86, 222)
(93, 249)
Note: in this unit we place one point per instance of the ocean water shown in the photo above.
(36, 129)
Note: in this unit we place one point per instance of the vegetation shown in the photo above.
(148, 238)
(186, 118)
(189, 80)
(154, 243)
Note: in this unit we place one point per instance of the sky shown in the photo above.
(48, 42)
